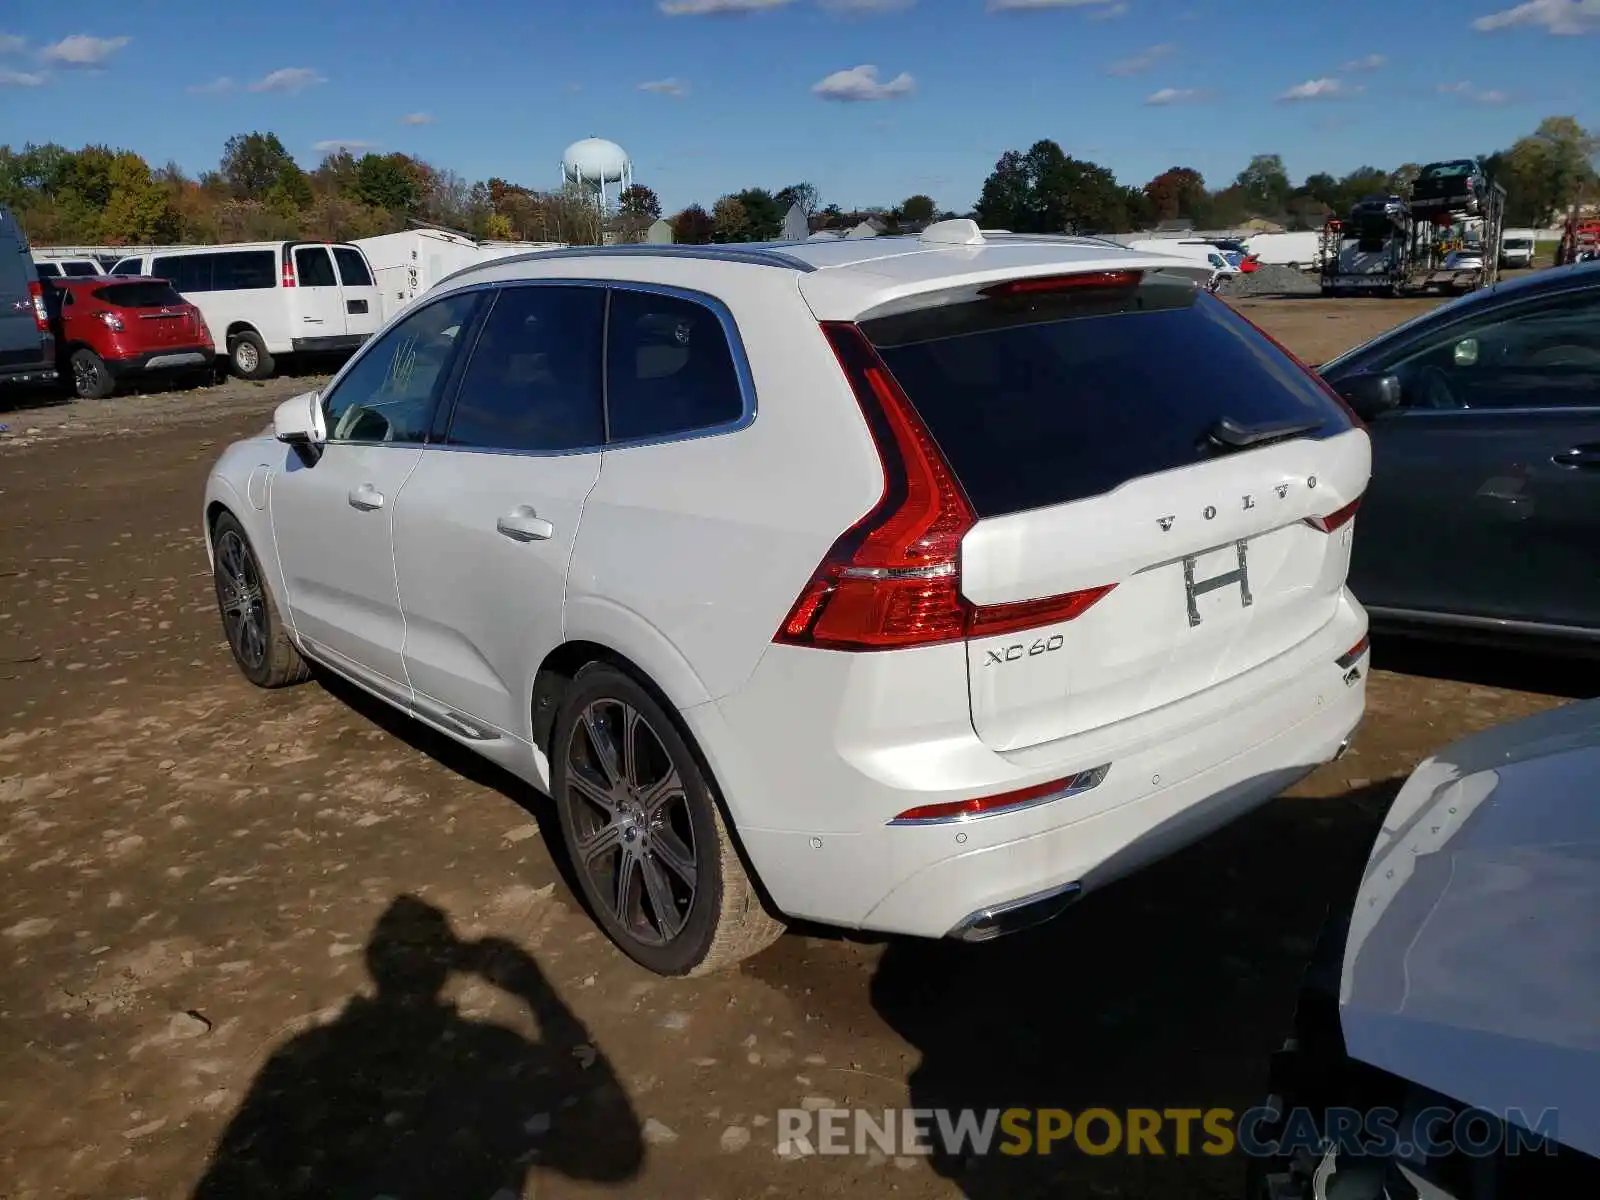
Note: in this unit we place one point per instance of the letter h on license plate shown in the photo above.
(1193, 590)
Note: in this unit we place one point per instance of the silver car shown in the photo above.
(1454, 1009)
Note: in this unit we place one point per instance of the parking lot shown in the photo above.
(194, 872)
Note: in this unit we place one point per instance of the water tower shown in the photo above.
(595, 164)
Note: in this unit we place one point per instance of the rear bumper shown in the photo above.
(168, 358)
(820, 751)
(30, 373)
(321, 345)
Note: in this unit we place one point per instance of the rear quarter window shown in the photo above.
(352, 267)
(1047, 398)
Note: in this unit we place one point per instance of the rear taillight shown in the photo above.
(112, 321)
(1338, 517)
(41, 318)
(288, 271)
(893, 579)
(1353, 655)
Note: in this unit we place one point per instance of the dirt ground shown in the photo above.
(230, 916)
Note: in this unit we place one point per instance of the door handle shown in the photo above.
(366, 498)
(522, 524)
(1578, 456)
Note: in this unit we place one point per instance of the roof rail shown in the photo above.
(750, 253)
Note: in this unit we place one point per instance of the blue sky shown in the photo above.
(871, 100)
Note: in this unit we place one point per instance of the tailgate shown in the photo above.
(1140, 442)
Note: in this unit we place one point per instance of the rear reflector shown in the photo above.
(1063, 283)
(1353, 655)
(1336, 518)
(988, 806)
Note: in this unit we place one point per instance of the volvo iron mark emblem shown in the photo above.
(1193, 589)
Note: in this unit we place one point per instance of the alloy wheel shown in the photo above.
(245, 357)
(85, 377)
(633, 834)
(244, 611)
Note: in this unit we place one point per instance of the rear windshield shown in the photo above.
(155, 294)
(1046, 398)
(1449, 170)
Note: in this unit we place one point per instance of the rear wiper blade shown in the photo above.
(1228, 434)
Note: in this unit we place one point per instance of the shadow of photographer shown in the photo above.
(402, 1096)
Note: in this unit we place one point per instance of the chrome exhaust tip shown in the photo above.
(999, 919)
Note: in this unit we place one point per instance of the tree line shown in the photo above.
(258, 192)
(1045, 190)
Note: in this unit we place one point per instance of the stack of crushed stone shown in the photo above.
(1272, 280)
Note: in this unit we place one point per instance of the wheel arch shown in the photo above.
(236, 328)
(562, 665)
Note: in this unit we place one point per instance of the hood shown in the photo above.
(1472, 964)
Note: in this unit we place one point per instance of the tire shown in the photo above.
(248, 357)
(91, 379)
(250, 618)
(603, 797)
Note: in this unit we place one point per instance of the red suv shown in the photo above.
(110, 328)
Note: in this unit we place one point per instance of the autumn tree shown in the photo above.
(693, 226)
(729, 221)
(253, 162)
(1176, 192)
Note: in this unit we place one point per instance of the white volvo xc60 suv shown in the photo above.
(916, 585)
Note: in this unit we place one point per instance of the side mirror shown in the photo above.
(1371, 395)
(298, 422)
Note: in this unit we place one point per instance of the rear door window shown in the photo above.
(669, 368)
(47, 270)
(533, 384)
(79, 270)
(352, 267)
(128, 266)
(1048, 397)
(313, 267)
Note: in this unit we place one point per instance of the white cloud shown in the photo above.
(220, 86)
(289, 79)
(1317, 89)
(334, 145)
(1141, 62)
(865, 8)
(1370, 63)
(1468, 91)
(1566, 18)
(10, 43)
(862, 83)
(665, 87)
(718, 8)
(9, 78)
(417, 118)
(81, 50)
(1176, 96)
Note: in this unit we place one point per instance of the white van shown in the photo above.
(262, 299)
(66, 268)
(1517, 247)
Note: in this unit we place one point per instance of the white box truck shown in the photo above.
(409, 263)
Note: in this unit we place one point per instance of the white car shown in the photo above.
(916, 585)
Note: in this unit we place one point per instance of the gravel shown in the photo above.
(1272, 280)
